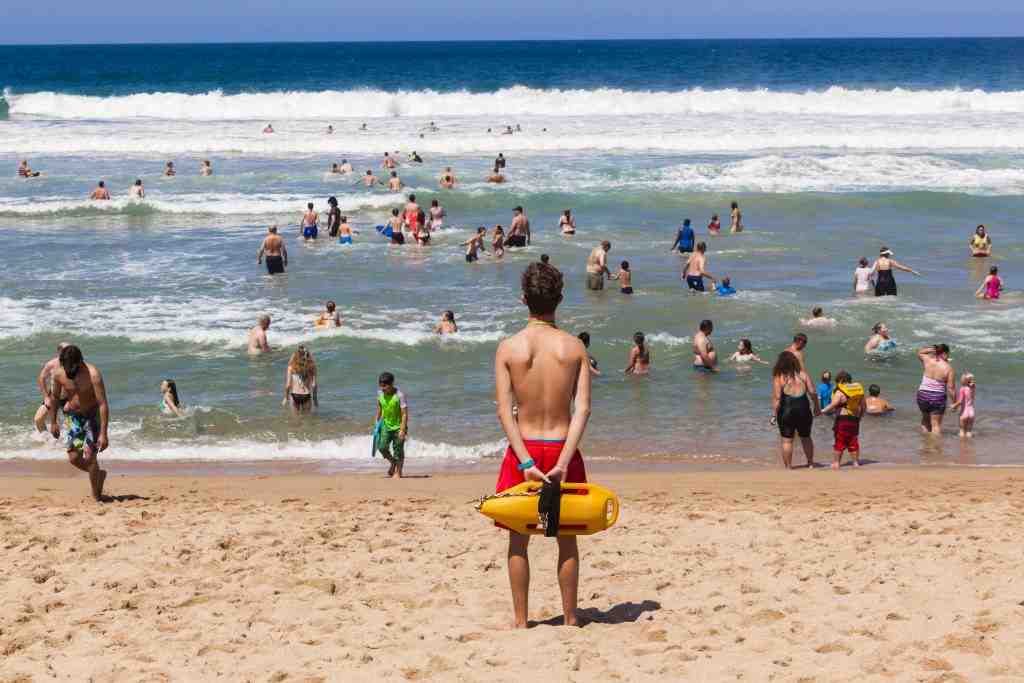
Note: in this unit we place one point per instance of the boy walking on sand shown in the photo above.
(393, 420)
(545, 373)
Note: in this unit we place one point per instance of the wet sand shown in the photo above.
(871, 575)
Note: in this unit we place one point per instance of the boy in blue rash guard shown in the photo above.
(825, 388)
(684, 239)
(725, 288)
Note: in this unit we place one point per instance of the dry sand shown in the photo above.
(877, 575)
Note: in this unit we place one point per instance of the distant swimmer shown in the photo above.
(274, 249)
(345, 167)
(992, 286)
(597, 266)
(447, 324)
(257, 342)
(818, 319)
(981, 243)
(300, 382)
(794, 405)
(714, 225)
(705, 358)
(388, 162)
(335, 169)
(310, 223)
(498, 243)
(885, 283)
(519, 129)
(875, 404)
(745, 354)
(640, 356)
(47, 389)
(475, 244)
(965, 403)
(496, 177)
(394, 182)
(625, 278)
(136, 191)
(345, 231)
(329, 130)
(362, 127)
(499, 161)
(101, 192)
(415, 158)
(938, 385)
(329, 317)
(879, 341)
(206, 168)
(369, 180)
(25, 172)
(685, 239)
(566, 223)
(519, 229)
(797, 348)
(447, 179)
(736, 218)
(170, 402)
(437, 215)
(86, 414)
(585, 338)
(694, 269)
(863, 277)
(507, 131)
(268, 129)
(545, 373)
(333, 217)
(169, 169)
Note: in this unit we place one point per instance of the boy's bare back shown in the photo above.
(542, 366)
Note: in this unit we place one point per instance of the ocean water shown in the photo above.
(832, 149)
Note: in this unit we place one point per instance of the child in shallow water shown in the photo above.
(965, 403)
(876, 405)
(745, 353)
(625, 278)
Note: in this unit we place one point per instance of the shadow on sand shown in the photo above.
(623, 613)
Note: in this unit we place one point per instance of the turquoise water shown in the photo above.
(831, 148)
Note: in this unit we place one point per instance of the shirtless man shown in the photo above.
(101, 192)
(705, 358)
(545, 372)
(519, 230)
(388, 162)
(394, 182)
(345, 167)
(447, 179)
(275, 251)
(369, 180)
(597, 266)
(937, 386)
(258, 336)
(46, 388)
(694, 269)
(86, 414)
(797, 349)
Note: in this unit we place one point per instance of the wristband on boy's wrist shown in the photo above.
(523, 466)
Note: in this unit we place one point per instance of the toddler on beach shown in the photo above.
(392, 424)
(848, 405)
(825, 389)
(965, 403)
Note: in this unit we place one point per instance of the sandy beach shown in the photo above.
(877, 575)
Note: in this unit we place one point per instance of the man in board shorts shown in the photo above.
(545, 373)
(273, 248)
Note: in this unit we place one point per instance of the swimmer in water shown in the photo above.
(362, 127)
(736, 217)
(863, 277)
(991, 286)
(310, 223)
(369, 180)
(205, 169)
(415, 158)
(498, 243)
(388, 162)
(335, 169)
(257, 342)
(965, 403)
(328, 317)
(567, 223)
(169, 170)
(714, 225)
(496, 177)
(345, 167)
(585, 338)
(268, 129)
(475, 244)
(694, 269)
(437, 215)
(330, 129)
(395, 183)
(725, 287)
(169, 402)
(818, 319)
(345, 231)
(136, 191)
(447, 179)
(876, 405)
(880, 341)
(447, 324)
(981, 243)
(745, 354)
(625, 278)
(101, 193)
(705, 358)
(640, 356)
(25, 172)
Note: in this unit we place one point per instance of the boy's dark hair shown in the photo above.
(706, 326)
(624, 265)
(824, 379)
(816, 311)
(542, 288)
(386, 378)
(800, 337)
(71, 360)
(584, 337)
(843, 377)
(874, 390)
(544, 258)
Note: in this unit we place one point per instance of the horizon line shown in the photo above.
(510, 40)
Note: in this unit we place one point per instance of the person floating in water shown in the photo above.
(818, 319)
(274, 249)
(169, 401)
(885, 283)
(640, 356)
(496, 177)
(393, 418)
(447, 180)
(848, 405)
(545, 373)
(447, 324)
(876, 405)
(725, 287)
(991, 286)
(965, 403)
(625, 278)
(101, 192)
(880, 341)
(86, 414)
(329, 317)
(981, 242)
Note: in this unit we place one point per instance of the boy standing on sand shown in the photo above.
(393, 414)
(545, 373)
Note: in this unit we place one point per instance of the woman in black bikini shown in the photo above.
(793, 393)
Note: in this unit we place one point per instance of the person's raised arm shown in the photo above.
(506, 398)
(580, 414)
(926, 352)
(100, 390)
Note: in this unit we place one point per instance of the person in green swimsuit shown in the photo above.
(393, 414)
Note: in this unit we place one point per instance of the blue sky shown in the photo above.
(125, 21)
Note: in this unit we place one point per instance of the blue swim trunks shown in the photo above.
(345, 239)
(309, 232)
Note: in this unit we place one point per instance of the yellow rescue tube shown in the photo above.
(586, 508)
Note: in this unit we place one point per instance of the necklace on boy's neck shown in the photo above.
(542, 323)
